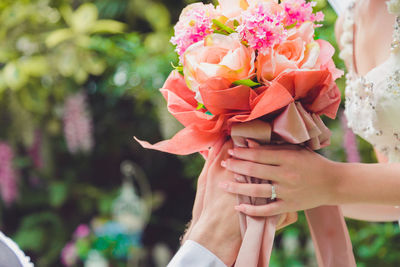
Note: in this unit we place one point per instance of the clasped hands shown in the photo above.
(294, 171)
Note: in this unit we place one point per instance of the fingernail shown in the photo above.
(240, 208)
(239, 178)
(223, 163)
(231, 152)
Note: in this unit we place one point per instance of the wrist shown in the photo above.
(335, 172)
(187, 232)
(341, 175)
(207, 235)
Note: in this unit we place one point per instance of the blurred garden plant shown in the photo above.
(67, 69)
(112, 54)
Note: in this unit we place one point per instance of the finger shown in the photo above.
(281, 221)
(251, 190)
(281, 147)
(274, 208)
(252, 169)
(287, 219)
(271, 154)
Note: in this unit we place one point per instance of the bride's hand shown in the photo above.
(302, 178)
(286, 219)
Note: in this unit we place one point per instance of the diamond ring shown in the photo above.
(273, 195)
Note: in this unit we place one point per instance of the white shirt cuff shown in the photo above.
(192, 254)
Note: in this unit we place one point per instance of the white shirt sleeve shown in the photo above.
(192, 254)
(11, 254)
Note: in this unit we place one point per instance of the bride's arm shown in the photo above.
(367, 212)
(304, 179)
(372, 212)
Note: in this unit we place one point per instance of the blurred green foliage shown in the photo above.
(118, 53)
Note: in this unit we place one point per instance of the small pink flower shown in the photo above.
(77, 124)
(82, 231)
(8, 177)
(299, 11)
(194, 24)
(262, 26)
(69, 254)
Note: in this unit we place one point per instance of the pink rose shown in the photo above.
(298, 51)
(217, 56)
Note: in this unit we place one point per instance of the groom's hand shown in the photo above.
(217, 226)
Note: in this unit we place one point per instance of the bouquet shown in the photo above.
(252, 70)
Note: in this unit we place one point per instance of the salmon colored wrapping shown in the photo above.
(314, 89)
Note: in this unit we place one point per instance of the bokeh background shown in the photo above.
(79, 79)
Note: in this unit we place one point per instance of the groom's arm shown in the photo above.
(213, 239)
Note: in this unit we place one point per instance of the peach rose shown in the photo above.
(217, 56)
(232, 8)
(299, 51)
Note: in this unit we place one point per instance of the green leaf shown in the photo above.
(83, 247)
(14, 76)
(209, 113)
(247, 82)
(30, 239)
(58, 36)
(35, 66)
(22, 162)
(221, 32)
(222, 26)
(84, 18)
(200, 106)
(58, 194)
(178, 68)
(157, 15)
(108, 26)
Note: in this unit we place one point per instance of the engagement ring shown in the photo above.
(273, 195)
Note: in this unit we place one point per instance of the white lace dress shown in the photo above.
(373, 100)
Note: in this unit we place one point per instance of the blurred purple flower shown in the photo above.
(69, 254)
(349, 141)
(77, 124)
(82, 231)
(8, 177)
